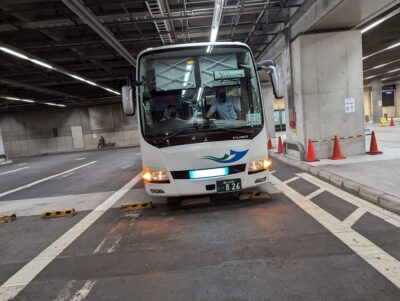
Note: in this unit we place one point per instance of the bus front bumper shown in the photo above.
(186, 187)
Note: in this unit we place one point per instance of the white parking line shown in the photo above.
(315, 193)
(14, 285)
(84, 291)
(291, 180)
(45, 179)
(384, 214)
(11, 171)
(80, 159)
(384, 263)
(354, 217)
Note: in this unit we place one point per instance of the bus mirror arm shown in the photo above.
(275, 73)
(128, 100)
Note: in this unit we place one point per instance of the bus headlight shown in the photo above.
(259, 165)
(155, 176)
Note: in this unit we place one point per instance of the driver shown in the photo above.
(227, 107)
(170, 113)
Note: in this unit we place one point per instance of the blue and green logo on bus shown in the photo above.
(232, 157)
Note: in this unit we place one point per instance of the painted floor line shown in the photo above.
(16, 283)
(384, 214)
(381, 261)
(315, 193)
(291, 180)
(84, 291)
(46, 179)
(354, 217)
(11, 171)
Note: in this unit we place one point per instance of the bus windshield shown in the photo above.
(199, 93)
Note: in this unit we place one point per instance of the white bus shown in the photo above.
(202, 129)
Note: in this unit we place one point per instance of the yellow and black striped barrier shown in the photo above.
(137, 206)
(254, 195)
(59, 213)
(341, 138)
(7, 218)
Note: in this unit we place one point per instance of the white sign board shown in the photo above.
(349, 105)
(379, 103)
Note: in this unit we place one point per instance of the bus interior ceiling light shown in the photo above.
(47, 66)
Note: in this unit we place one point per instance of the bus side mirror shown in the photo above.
(128, 100)
(275, 73)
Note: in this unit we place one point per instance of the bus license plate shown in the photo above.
(229, 185)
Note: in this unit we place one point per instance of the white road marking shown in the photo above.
(16, 283)
(315, 193)
(66, 175)
(354, 217)
(384, 214)
(101, 244)
(114, 245)
(65, 293)
(11, 171)
(272, 171)
(84, 291)
(45, 179)
(21, 164)
(291, 180)
(80, 159)
(384, 263)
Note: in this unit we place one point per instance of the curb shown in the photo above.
(372, 195)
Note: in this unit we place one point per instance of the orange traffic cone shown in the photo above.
(310, 152)
(373, 148)
(269, 143)
(391, 121)
(336, 155)
(280, 147)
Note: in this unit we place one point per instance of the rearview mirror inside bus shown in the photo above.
(128, 101)
(275, 73)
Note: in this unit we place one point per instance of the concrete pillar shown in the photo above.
(376, 99)
(327, 74)
(397, 101)
(268, 102)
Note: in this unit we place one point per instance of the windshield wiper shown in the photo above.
(237, 130)
(173, 134)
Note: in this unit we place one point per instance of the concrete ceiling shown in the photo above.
(53, 33)
(376, 40)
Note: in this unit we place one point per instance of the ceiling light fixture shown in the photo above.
(58, 69)
(33, 101)
(376, 23)
(382, 50)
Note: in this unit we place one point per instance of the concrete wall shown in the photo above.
(327, 69)
(268, 104)
(2, 152)
(39, 132)
(367, 103)
(397, 101)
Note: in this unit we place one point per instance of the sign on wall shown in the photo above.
(349, 105)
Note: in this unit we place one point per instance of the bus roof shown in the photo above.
(186, 45)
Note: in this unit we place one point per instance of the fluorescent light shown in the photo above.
(91, 83)
(209, 48)
(77, 77)
(394, 70)
(41, 64)
(369, 77)
(112, 91)
(208, 173)
(15, 53)
(382, 50)
(373, 25)
(60, 70)
(19, 99)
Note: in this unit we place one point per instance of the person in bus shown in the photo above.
(227, 107)
(170, 113)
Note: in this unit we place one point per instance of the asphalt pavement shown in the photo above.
(307, 240)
